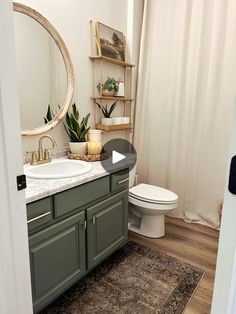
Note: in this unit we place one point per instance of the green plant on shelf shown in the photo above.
(110, 85)
(106, 110)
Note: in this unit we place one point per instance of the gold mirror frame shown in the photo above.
(18, 7)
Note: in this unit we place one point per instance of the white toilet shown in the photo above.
(147, 206)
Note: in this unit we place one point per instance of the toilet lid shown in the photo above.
(152, 193)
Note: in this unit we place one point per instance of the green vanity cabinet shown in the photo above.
(107, 224)
(119, 181)
(39, 213)
(67, 201)
(68, 237)
(57, 258)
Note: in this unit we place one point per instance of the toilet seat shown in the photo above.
(152, 194)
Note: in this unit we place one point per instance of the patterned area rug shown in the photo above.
(136, 280)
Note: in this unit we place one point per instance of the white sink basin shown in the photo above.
(58, 169)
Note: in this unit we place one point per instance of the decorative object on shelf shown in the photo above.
(95, 135)
(107, 120)
(110, 42)
(94, 148)
(120, 120)
(125, 120)
(104, 155)
(76, 131)
(117, 120)
(121, 89)
(109, 88)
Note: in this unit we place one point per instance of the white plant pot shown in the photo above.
(107, 121)
(78, 148)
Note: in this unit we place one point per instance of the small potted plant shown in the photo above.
(107, 111)
(109, 88)
(76, 131)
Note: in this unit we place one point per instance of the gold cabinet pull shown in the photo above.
(83, 224)
(92, 220)
(123, 181)
(38, 217)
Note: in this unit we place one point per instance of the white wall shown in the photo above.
(71, 19)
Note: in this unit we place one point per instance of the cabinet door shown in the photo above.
(107, 227)
(57, 259)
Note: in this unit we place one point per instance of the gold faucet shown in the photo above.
(42, 156)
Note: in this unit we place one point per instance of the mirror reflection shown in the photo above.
(42, 78)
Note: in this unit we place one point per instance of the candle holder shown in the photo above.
(94, 148)
(94, 135)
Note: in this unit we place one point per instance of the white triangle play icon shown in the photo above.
(116, 157)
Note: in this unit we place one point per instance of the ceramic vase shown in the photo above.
(121, 90)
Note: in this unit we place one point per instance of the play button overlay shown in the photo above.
(116, 157)
(122, 155)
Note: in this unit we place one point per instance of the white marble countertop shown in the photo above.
(38, 188)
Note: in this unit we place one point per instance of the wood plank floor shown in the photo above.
(194, 244)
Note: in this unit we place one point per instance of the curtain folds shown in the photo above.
(185, 99)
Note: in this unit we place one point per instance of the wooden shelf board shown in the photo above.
(110, 60)
(113, 98)
(114, 127)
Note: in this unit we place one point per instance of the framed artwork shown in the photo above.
(110, 42)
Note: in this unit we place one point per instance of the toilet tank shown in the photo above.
(132, 176)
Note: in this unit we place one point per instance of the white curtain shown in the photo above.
(185, 99)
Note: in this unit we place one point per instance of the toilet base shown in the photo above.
(151, 226)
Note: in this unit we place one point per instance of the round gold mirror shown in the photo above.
(44, 69)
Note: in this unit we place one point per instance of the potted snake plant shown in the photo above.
(107, 111)
(77, 131)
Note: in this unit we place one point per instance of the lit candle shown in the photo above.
(94, 148)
